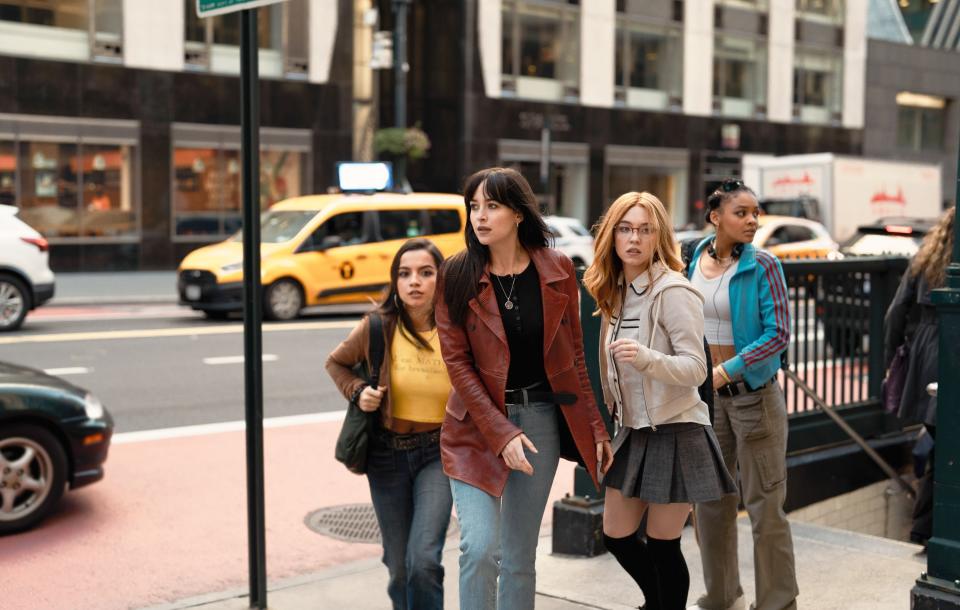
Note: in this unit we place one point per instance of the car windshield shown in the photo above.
(867, 244)
(277, 226)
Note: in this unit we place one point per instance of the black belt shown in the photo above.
(523, 397)
(401, 442)
(740, 387)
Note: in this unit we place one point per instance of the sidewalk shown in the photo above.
(836, 570)
(115, 288)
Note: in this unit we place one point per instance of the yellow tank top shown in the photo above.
(419, 385)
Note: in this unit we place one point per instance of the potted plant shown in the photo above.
(399, 145)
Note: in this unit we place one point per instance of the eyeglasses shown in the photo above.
(728, 186)
(625, 230)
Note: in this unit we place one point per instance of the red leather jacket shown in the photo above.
(476, 427)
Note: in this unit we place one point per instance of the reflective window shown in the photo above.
(278, 226)
(739, 79)
(817, 86)
(49, 181)
(196, 199)
(921, 122)
(347, 226)
(649, 60)
(444, 221)
(107, 207)
(830, 9)
(541, 41)
(8, 173)
(71, 14)
(400, 224)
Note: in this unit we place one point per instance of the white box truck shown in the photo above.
(844, 192)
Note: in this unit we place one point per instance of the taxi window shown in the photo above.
(277, 226)
(349, 226)
(444, 221)
(400, 224)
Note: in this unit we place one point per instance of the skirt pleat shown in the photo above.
(677, 463)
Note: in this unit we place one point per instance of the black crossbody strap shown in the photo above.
(376, 348)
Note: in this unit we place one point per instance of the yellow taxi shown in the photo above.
(321, 249)
(788, 237)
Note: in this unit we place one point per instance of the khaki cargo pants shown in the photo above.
(752, 432)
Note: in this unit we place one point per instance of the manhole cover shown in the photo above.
(353, 523)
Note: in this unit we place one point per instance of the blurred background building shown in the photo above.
(119, 119)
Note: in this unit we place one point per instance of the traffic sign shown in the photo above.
(209, 8)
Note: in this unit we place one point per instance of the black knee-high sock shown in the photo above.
(634, 557)
(672, 572)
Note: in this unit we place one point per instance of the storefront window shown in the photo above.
(920, 122)
(208, 189)
(107, 207)
(669, 184)
(739, 76)
(649, 65)
(8, 173)
(541, 50)
(816, 87)
(49, 182)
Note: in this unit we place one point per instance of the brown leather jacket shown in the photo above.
(476, 428)
(354, 350)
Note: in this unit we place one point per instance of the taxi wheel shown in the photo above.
(283, 300)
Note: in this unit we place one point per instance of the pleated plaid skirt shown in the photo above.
(676, 463)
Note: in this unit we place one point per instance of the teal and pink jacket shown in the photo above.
(760, 310)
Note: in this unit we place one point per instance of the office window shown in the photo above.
(282, 36)
(921, 121)
(817, 87)
(207, 173)
(822, 10)
(649, 65)
(541, 49)
(739, 76)
(69, 14)
(67, 26)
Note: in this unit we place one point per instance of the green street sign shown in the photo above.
(209, 8)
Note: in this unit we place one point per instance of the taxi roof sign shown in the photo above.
(355, 177)
(210, 8)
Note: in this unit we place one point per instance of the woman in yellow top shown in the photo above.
(411, 495)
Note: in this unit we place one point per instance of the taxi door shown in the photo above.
(336, 260)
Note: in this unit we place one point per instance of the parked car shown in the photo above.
(571, 238)
(844, 304)
(26, 281)
(789, 237)
(894, 236)
(52, 434)
(321, 249)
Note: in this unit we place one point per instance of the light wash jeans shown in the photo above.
(498, 536)
(411, 497)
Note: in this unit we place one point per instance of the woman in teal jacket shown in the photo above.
(747, 326)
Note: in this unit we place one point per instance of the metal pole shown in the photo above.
(400, 69)
(252, 306)
(941, 588)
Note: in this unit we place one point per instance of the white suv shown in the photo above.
(26, 280)
(571, 238)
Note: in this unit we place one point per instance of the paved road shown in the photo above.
(162, 366)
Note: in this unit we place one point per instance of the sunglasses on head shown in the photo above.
(728, 186)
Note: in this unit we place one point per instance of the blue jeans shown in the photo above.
(411, 497)
(498, 536)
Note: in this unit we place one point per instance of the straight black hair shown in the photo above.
(727, 190)
(390, 304)
(462, 271)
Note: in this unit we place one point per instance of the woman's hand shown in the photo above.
(604, 456)
(718, 379)
(370, 398)
(624, 350)
(513, 454)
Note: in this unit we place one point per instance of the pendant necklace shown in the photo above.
(509, 304)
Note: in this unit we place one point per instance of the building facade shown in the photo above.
(592, 98)
(119, 121)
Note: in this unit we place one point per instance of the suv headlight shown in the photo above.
(93, 407)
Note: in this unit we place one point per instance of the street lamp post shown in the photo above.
(400, 69)
(939, 587)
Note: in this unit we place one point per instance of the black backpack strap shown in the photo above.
(376, 348)
(687, 249)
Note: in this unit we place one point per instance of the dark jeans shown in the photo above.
(411, 497)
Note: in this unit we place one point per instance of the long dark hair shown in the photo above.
(462, 272)
(390, 304)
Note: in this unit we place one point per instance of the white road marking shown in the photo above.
(68, 370)
(230, 426)
(237, 359)
(226, 329)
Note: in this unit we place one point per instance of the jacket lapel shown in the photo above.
(485, 306)
(554, 300)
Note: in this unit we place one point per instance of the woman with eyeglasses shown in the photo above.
(747, 327)
(652, 361)
(509, 320)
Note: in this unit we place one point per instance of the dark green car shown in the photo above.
(52, 434)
